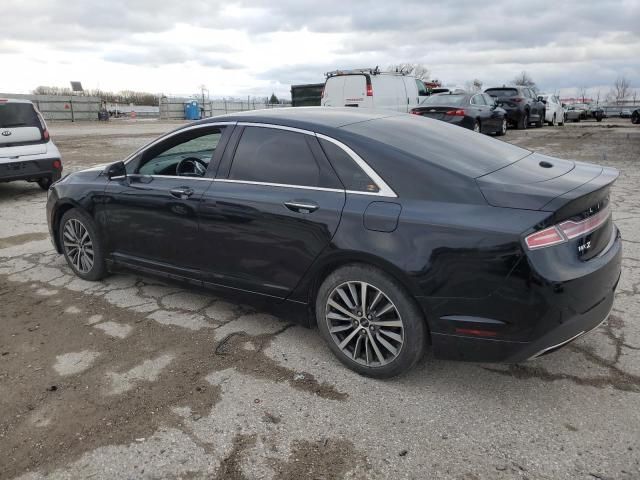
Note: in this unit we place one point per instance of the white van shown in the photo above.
(369, 88)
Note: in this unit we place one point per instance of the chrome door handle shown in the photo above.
(182, 193)
(301, 207)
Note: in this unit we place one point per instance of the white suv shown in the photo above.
(370, 88)
(554, 113)
(26, 151)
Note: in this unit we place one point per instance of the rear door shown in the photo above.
(274, 206)
(355, 91)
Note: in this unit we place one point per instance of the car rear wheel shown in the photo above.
(540, 122)
(81, 245)
(524, 121)
(476, 126)
(45, 183)
(503, 128)
(554, 121)
(370, 322)
(635, 118)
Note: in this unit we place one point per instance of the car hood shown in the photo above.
(540, 182)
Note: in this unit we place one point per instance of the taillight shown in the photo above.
(45, 134)
(455, 113)
(57, 164)
(415, 112)
(544, 238)
(567, 230)
(4, 100)
(573, 229)
(369, 90)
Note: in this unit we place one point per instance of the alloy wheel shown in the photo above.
(78, 245)
(476, 127)
(364, 323)
(504, 126)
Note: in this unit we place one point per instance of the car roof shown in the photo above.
(317, 119)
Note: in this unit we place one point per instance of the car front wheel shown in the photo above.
(503, 128)
(81, 245)
(370, 322)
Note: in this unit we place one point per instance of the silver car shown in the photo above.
(26, 150)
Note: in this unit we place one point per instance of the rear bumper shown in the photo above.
(513, 114)
(540, 319)
(30, 170)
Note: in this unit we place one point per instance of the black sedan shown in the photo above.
(478, 112)
(390, 232)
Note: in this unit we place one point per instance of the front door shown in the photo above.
(274, 207)
(151, 214)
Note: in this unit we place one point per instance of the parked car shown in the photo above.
(625, 113)
(554, 113)
(575, 113)
(478, 112)
(635, 116)
(584, 111)
(26, 150)
(370, 88)
(522, 105)
(388, 231)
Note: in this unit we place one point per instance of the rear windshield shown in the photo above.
(445, 100)
(502, 92)
(18, 115)
(449, 146)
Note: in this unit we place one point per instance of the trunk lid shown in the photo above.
(539, 182)
(576, 194)
(19, 124)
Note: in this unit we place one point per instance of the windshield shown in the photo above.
(445, 100)
(502, 92)
(18, 115)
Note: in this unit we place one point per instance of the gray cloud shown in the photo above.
(458, 41)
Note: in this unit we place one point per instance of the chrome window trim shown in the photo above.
(285, 185)
(172, 134)
(276, 127)
(181, 177)
(385, 190)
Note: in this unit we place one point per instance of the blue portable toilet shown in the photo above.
(192, 110)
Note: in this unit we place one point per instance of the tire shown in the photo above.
(554, 121)
(364, 352)
(76, 227)
(45, 183)
(540, 123)
(477, 127)
(503, 128)
(562, 122)
(523, 123)
(635, 119)
(598, 119)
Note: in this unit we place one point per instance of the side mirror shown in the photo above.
(116, 170)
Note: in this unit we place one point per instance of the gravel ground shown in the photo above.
(135, 378)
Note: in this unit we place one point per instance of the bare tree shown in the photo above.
(418, 70)
(524, 79)
(474, 85)
(621, 89)
(582, 93)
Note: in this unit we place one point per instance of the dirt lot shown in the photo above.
(134, 378)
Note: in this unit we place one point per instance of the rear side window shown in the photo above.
(18, 115)
(351, 175)
(275, 156)
(477, 100)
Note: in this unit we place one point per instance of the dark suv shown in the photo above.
(522, 104)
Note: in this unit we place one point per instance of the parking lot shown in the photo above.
(135, 378)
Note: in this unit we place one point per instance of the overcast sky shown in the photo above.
(254, 47)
